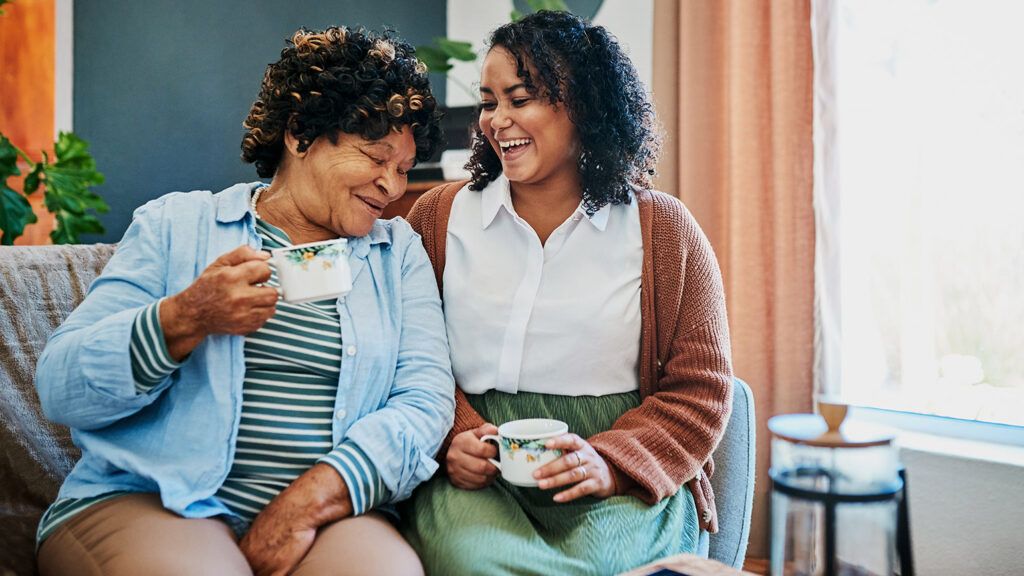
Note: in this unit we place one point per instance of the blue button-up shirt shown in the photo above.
(395, 391)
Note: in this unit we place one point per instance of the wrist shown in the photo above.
(181, 328)
(322, 494)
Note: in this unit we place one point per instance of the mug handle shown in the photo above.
(496, 440)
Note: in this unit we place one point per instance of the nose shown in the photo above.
(390, 184)
(500, 119)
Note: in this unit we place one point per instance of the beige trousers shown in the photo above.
(134, 534)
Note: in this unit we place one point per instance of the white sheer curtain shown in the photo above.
(919, 143)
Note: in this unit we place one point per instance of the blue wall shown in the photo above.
(161, 88)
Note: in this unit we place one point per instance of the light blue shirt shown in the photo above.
(395, 391)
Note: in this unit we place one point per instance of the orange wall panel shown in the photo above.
(27, 68)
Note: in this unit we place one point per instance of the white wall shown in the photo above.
(967, 510)
(631, 21)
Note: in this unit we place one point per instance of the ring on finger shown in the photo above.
(583, 472)
(579, 461)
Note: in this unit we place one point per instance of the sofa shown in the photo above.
(41, 285)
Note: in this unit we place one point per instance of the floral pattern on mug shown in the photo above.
(326, 256)
(531, 450)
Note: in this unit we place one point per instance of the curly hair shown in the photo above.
(583, 67)
(348, 80)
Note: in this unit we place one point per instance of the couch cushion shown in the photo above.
(39, 287)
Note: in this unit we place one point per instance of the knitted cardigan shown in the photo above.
(685, 360)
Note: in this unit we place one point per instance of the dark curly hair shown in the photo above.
(349, 80)
(583, 67)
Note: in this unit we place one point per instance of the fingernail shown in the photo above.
(542, 484)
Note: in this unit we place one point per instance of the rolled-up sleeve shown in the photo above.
(402, 437)
(84, 376)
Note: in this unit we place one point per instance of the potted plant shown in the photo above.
(65, 181)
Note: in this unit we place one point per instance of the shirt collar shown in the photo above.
(498, 195)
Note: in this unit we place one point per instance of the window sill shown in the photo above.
(951, 437)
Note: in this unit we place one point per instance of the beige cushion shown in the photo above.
(39, 287)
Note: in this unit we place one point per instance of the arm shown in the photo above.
(92, 374)
(420, 405)
(666, 440)
(84, 376)
(423, 217)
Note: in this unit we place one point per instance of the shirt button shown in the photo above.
(340, 414)
(351, 351)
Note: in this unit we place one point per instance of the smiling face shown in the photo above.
(342, 188)
(535, 140)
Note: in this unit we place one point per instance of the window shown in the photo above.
(919, 196)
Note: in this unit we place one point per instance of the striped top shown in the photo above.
(292, 367)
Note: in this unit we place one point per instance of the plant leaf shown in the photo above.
(515, 15)
(556, 5)
(434, 58)
(15, 211)
(68, 196)
(456, 49)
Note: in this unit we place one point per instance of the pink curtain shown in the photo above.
(733, 85)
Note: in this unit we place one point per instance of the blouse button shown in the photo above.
(351, 351)
(340, 414)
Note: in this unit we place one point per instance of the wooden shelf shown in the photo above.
(413, 192)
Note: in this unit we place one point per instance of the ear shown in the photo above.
(291, 145)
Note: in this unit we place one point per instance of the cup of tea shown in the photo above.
(313, 271)
(521, 449)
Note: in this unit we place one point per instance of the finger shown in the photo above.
(478, 448)
(584, 488)
(243, 253)
(253, 271)
(566, 442)
(485, 429)
(261, 296)
(568, 461)
(572, 476)
(475, 466)
(468, 481)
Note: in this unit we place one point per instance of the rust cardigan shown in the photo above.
(685, 363)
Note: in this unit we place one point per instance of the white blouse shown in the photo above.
(562, 318)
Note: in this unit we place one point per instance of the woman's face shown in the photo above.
(535, 140)
(344, 187)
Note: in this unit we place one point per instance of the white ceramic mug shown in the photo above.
(314, 271)
(521, 448)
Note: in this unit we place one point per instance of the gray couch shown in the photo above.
(39, 286)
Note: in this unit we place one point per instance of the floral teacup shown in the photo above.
(521, 448)
(314, 271)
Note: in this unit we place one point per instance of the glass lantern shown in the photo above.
(838, 500)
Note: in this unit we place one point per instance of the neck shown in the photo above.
(545, 207)
(277, 207)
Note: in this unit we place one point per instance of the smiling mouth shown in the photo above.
(375, 206)
(510, 148)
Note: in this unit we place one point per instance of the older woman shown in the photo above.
(223, 431)
(572, 291)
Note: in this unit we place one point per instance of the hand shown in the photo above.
(579, 464)
(282, 534)
(224, 299)
(466, 461)
(277, 541)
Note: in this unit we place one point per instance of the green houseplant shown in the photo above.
(65, 180)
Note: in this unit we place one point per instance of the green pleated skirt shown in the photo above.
(505, 529)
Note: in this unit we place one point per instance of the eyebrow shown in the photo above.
(508, 90)
(379, 143)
